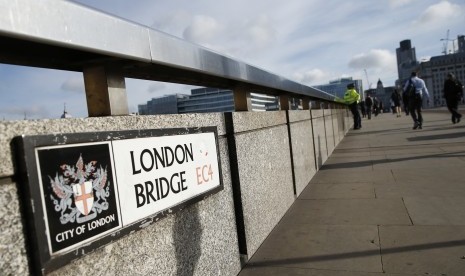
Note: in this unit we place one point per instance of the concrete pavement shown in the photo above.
(389, 201)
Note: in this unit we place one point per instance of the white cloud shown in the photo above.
(439, 14)
(74, 85)
(173, 23)
(373, 59)
(313, 76)
(202, 30)
(260, 31)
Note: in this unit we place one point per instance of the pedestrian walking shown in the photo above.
(453, 93)
(369, 106)
(375, 106)
(363, 109)
(405, 102)
(396, 98)
(351, 97)
(416, 90)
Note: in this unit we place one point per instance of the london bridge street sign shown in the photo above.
(85, 189)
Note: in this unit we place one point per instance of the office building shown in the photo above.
(207, 99)
(339, 87)
(406, 60)
(435, 71)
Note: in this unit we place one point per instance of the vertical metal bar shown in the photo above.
(105, 92)
(236, 186)
(289, 134)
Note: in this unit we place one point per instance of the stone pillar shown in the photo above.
(242, 100)
(284, 102)
(305, 103)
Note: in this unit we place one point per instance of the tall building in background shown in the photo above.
(339, 87)
(435, 71)
(406, 60)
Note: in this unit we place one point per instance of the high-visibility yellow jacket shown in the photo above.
(351, 96)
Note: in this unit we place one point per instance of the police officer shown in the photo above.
(352, 98)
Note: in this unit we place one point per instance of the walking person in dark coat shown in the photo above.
(396, 98)
(369, 106)
(453, 92)
(376, 106)
(405, 102)
(363, 109)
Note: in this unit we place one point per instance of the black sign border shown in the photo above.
(31, 200)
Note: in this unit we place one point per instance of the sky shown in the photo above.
(308, 41)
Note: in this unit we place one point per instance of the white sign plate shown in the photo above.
(157, 173)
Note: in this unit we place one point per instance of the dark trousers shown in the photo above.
(357, 119)
(415, 109)
(453, 105)
(369, 112)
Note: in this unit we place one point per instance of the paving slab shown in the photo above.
(423, 250)
(425, 210)
(348, 211)
(338, 190)
(329, 176)
(418, 189)
(437, 176)
(334, 247)
(415, 160)
(287, 271)
(342, 164)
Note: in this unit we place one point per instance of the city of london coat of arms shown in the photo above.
(80, 192)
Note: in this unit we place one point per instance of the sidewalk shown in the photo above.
(389, 201)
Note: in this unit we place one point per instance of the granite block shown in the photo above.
(303, 154)
(266, 185)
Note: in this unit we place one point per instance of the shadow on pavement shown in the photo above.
(348, 165)
(349, 255)
(437, 137)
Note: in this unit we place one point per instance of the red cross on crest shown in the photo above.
(83, 197)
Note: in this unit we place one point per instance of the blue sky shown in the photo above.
(309, 41)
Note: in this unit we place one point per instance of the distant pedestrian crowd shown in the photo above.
(412, 96)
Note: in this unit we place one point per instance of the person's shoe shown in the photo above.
(415, 125)
(458, 118)
(420, 127)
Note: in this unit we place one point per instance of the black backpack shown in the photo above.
(411, 89)
(458, 88)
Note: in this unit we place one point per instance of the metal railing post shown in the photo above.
(105, 92)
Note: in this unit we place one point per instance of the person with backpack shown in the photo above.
(416, 89)
(453, 92)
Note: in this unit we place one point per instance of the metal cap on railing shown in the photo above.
(68, 36)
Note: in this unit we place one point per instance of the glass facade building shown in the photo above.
(204, 100)
(339, 87)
